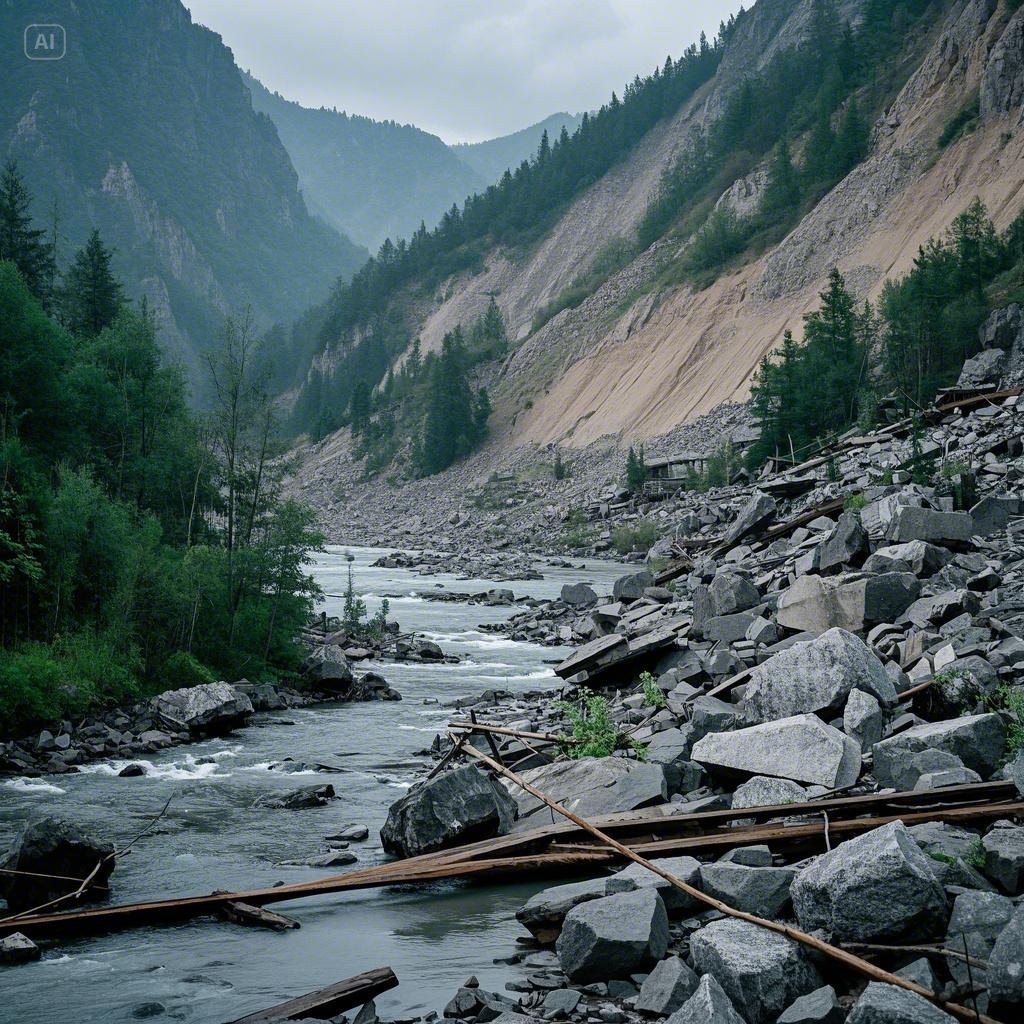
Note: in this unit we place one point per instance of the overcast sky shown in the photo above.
(463, 69)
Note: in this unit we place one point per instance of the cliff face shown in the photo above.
(637, 367)
(145, 130)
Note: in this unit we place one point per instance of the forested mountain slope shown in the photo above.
(145, 131)
(491, 158)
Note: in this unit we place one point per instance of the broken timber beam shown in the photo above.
(329, 1001)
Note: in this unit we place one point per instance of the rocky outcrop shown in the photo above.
(207, 708)
(1002, 84)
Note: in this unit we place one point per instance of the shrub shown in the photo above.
(634, 538)
(182, 669)
(653, 695)
(594, 734)
(855, 502)
(579, 534)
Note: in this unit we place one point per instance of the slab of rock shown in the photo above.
(635, 876)
(591, 786)
(1004, 856)
(207, 708)
(613, 937)
(297, 799)
(327, 668)
(814, 604)
(923, 559)
(578, 594)
(667, 987)
(17, 948)
(757, 515)
(757, 890)
(708, 1005)
(761, 972)
(878, 885)
(52, 846)
(978, 919)
(456, 807)
(1006, 966)
(846, 545)
(816, 676)
(801, 748)
(818, 1007)
(730, 593)
(912, 523)
(544, 912)
(978, 740)
(984, 368)
(887, 1004)
(863, 719)
(632, 587)
(762, 791)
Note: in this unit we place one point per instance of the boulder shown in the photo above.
(757, 890)
(758, 514)
(762, 791)
(984, 368)
(922, 558)
(877, 885)
(708, 1005)
(635, 876)
(460, 806)
(801, 748)
(761, 972)
(1006, 966)
(578, 595)
(978, 919)
(666, 988)
(52, 846)
(730, 593)
(591, 786)
(20, 949)
(327, 668)
(613, 937)
(814, 604)
(912, 523)
(631, 587)
(1002, 326)
(207, 708)
(818, 1007)
(863, 719)
(992, 514)
(847, 545)
(544, 912)
(1004, 856)
(297, 799)
(978, 740)
(816, 676)
(887, 1004)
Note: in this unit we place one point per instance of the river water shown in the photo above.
(207, 972)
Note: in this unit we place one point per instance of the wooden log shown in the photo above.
(501, 730)
(329, 1001)
(246, 914)
(841, 956)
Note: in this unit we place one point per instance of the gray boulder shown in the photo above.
(802, 748)
(992, 514)
(544, 912)
(667, 987)
(757, 890)
(1004, 856)
(814, 604)
(456, 807)
(730, 593)
(758, 514)
(761, 971)
(708, 1005)
(636, 876)
(53, 846)
(762, 791)
(978, 919)
(17, 948)
(978, 740)
(878, 885)
(327, 668)
(816, 676)
(613, 937)
(578, 594)
(632, 587)
(818, 1007)
(924, 559)
(984, 368)
(863, 719)
(297, 799)
(912, 523)
(1006, 966)
(847, 544)
(887, 1004)
(1002, 326)
(207, 708)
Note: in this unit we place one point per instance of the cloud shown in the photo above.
(464, 69)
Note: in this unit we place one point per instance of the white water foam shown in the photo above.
(186, 769)
(34, 786)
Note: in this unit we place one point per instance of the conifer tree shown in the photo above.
(92, 295)
(851, 140)
(25, 246)
(782, 192)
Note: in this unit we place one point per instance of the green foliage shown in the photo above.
(975, 855)
(961, 122)
(653, 695)
(354, 609)
(182, 669)
(579, 533)
(627, 539)
(91, 295)
(23, 244)
(559, 470)
(855, 503)
(636, 469)
(594, 734)
(1012, 701)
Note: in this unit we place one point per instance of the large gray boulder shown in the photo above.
(708, 1005)
(1006, 966)
(1004, 856)
(636, 876)
(591, 786)
(544, 912)
(912, 523)
(863, 719)
(327, 668)
(984, 368)
(667, 987)
(887, 1004)
(762, 791)
(847, 545)
(613, 937)
(456, 807)
(757, 890)
(816, 676)
(923, 558)
(802, 748)
(978, 740)
(578, 594)
(632, 587)
(756, 516)
(18, 948)
(818, 1007)
(207, 708)
(761, 971)
(978, 919)
(854, 602)
(53, 847)
(878, 885)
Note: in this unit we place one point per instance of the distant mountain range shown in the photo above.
(373, 180)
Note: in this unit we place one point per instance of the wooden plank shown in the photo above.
(329, 1001)
(246, 914)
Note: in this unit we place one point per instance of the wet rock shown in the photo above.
(53, 846)
(887, 1004)
(18, 949)
(801, 748)
(761, 971)
(544, 912)
(978, 740)
(816, 676)
(818, 1007)
(878, 885)
(131, 771)
(350, 834)
(328, 669)
(757, 890)
(207, 708)
(297, 799)
(455, 807)
(614, 936)
(708, 1005)
(666, 988)
(562, 1001)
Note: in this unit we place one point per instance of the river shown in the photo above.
(207, 972)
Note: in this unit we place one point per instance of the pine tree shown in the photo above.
(26, 247)
(819, 155)
(782, 192)
(91, 296)
(636, 470)
(481, 414)
(851, 141)
(359, 407)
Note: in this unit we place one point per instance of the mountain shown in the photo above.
(145, 131)
(644, 269)
(491, 158)
(370, 179)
